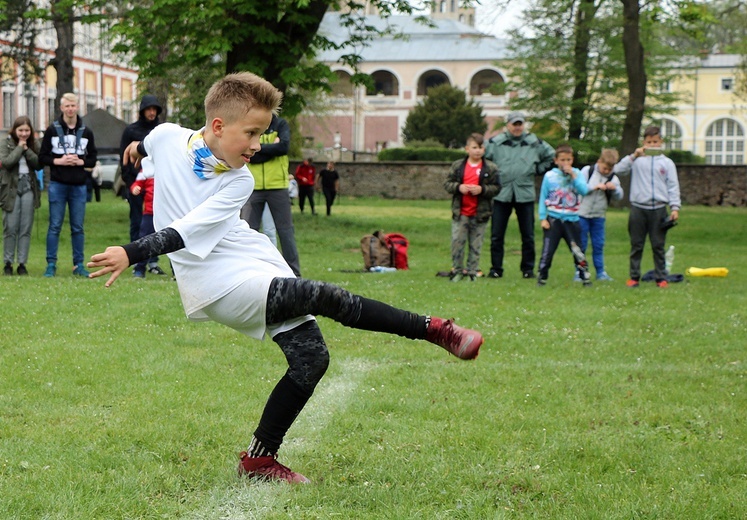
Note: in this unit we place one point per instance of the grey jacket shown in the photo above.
(519, 159)
(653, 181)
(595, 203)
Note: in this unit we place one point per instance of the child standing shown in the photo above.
(306, 177)
(202, 184)
(653, 186)
(604, 186)
(473, 182)
(144, 184)
(559, 200)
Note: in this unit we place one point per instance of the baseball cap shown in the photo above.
(513, 117)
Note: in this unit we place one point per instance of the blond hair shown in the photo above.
(69, 96)
(236, 94)
(609, 156)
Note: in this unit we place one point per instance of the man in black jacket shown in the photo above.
(68, 149)
(150, 109)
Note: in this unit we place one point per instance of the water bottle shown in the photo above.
(382, 269)
(669, 259)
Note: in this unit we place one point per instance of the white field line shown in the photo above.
(254, 500)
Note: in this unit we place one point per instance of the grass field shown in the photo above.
(600, 402)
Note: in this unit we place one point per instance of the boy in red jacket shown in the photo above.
(306, 177)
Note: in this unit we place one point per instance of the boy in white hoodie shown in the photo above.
(653, 186)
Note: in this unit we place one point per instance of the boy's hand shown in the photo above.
(114, 260)
(639, 152)
(601, 187)
(674, 215)
(131, 155)
(545, 224)
(464, 189)
(135, 190)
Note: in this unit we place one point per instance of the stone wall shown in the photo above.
(708, 185)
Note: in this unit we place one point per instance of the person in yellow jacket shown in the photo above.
(269, 166)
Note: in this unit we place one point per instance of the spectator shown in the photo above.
(269, 166)
(20, 194)
(330, 181)
(150, 110)
(520, 156)
(306, 178)
(68, 148)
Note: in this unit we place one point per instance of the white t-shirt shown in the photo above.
(221, 251)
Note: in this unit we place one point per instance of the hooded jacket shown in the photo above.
(53, 148)
(519, 160)
(136, 132)
(653, 181)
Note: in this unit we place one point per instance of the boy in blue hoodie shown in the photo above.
(559, 201)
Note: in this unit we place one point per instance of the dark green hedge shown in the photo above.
(421, 154)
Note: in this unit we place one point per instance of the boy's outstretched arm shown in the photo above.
(118, 258)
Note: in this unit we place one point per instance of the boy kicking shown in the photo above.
(202, 184)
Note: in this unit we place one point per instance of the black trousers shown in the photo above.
(559, 230)
(642, 223)
(525, 216)
(304, 347)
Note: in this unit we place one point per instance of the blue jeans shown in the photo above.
(74, 197)
(594, 228)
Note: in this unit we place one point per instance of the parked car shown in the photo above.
(109, 167)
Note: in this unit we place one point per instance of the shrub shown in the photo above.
(420, 154)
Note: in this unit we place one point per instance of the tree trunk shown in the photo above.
(635, 65)
(585, 15)
(62, 19)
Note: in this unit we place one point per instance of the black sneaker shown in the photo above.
(528, 275)
(541, 282)
(156, 270)
(22, 270)
(8, 270)
(494, 274)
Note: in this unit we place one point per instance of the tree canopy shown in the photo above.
(446, 115)
(277, 40)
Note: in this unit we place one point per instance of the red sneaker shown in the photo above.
(461, 342)
(632, 283)
(267, 468)
(662, 284)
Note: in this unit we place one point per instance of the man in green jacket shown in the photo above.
(520, 156)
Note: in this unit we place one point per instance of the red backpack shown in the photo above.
(398, 245)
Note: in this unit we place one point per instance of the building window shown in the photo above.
(384, 83)
(671, 132)
(724, 142)
(51, 108)
(430, 79)
(487, 82)
(727, 84)
(32, 109)
(665, 87)
(9, 109)
(343, 87)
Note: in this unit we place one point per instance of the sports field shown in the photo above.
(601, 402)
